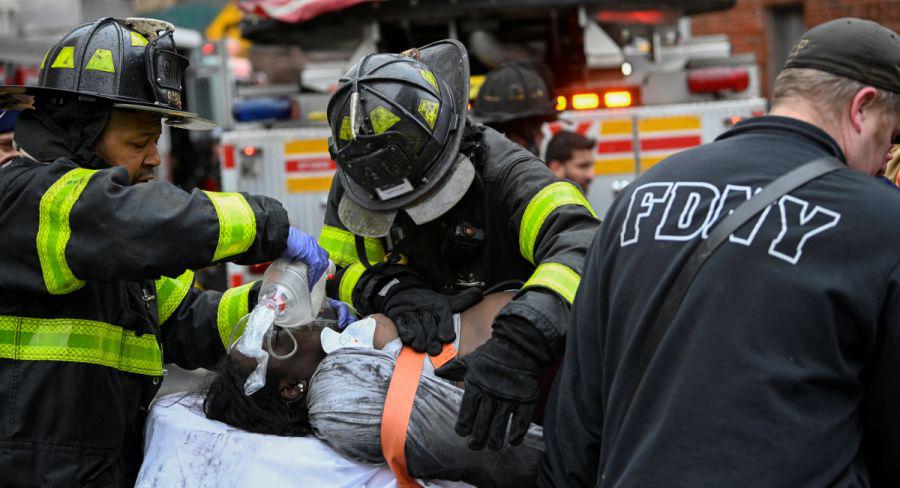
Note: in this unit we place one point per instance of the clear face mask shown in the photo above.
(285, 301)
(255, 341)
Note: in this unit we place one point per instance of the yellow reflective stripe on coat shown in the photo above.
(170, 292)
(79, 341)
(348, 282)
(237, 224)
(341, 246)
(557, 277)
(234, 304)
(540, 207)
(54, 231)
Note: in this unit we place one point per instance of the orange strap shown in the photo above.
(398, 407)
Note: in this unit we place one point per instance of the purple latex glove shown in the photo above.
(302, 247)
(344, 316)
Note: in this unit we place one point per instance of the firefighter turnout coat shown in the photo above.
(517, 222)
(780, 367)
(95, 296)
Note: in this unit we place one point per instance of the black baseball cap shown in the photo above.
(858, 49)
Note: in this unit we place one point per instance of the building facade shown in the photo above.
(768, 28)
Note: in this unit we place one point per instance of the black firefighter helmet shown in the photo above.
(397, 121)
(131, 62)
(515, 90)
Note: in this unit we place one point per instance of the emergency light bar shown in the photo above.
(713, 80)
(593, 100)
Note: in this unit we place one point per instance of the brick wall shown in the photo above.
(748, 22)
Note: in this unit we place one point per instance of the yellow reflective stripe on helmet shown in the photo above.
(65, 58)
(79, 341)
(557, 277)
(54, 231)
(170, 292)
(346, 133)
(541, 206)
(348, 282)
(234, 304)
(237, 224)
(101, 60)
(341, 246)
(428, 109)
(137, 40)
(429, 77)
(382, 119)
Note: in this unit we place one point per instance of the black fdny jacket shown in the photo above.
(88, 317)
(782, 367)
(525, 225)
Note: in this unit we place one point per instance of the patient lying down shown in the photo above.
(339, 396)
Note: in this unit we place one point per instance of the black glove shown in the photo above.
(424, 318)
(501, 381)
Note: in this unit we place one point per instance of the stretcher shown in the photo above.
(184, 448)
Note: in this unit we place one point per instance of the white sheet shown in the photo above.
(183, 448)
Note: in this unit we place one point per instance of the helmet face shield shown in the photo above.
(165, 70)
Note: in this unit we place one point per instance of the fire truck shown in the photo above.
(628, 74)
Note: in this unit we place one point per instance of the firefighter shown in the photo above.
(426, 204)
(778, 366)
(95, 280)
(516, 101)
(570, 155)
(7, 126)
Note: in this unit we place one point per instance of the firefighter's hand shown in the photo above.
(304, 248)
(501, 382)
(424, 318)
(344, 316)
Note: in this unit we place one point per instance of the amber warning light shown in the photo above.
(585, 101)
(618, 98)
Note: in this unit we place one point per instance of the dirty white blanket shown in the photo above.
(183, 448)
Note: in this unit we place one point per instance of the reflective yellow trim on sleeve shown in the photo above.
(54, 231)
(170, 292)
(79, 341)
(341, 246)
(557, 277)
(237, 224)
(348, 282)
(540, 207)
(234, 304)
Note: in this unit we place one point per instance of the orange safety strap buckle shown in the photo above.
(398, 407)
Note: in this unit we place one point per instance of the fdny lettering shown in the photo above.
(688, 210)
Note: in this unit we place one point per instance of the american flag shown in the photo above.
(295, 11)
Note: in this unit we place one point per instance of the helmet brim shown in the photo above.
(17, 97)
(449, 61)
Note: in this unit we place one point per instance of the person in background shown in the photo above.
(7, 126)
(516, 101)
(570, 156)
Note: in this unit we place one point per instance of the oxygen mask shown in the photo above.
(286, 301)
